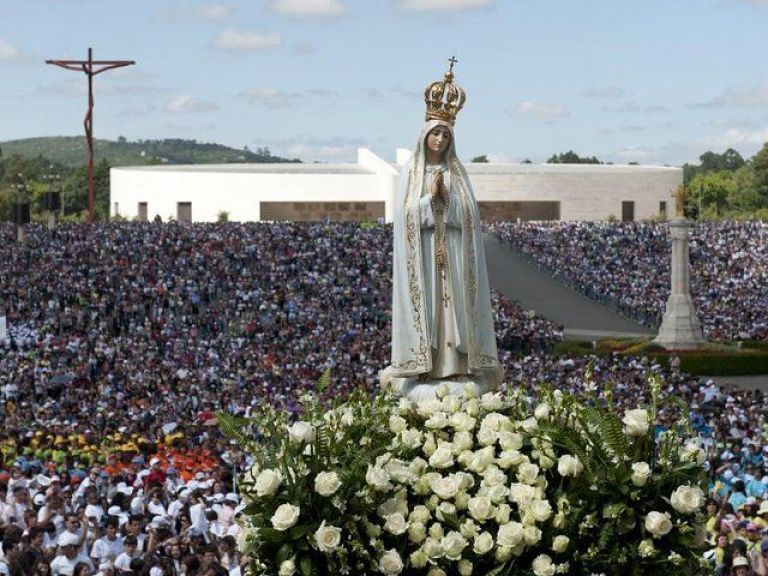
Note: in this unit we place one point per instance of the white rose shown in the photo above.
(483, 543)
(437, 421)
(462, 440)
(419, 558)
(641, 471)
(636, 422)
(510, 534)
(432, 548)
(444, 509)
(327, 483)
(391, 506)
(268, 481)
(435, 571)
(510, 440)
(521, 494)
(569, 465)
(692, 452)
(480, 508)
(542, 566)
(472, 408)
(426, 408)
(532, 535)
(417, 532)
(462, 422)
(529, 425)
(469, 529)
(465, 568)
(399, 471)
(419, 514)
(497, 493)
(509, 458)
(542, 510)
(301, 432)
(453, 545)
(327, 537)
(528, 473)
(687, 499)
(658, 524)
(347, 419)
(390, 562)
(481, 459)
(442, 457)
(285, 517)
(542, 411)
(411, 438)
(486, 436)
(560, 544)
(446, 488)
(491, 401)
(377, 477)
(395, 524)
(451, 403)
(646, 549)
(397, 423)
(502, 514)
(287, 568)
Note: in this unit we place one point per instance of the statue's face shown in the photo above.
(438, 139)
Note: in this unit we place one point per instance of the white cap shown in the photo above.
(68, 539)
(232, 497)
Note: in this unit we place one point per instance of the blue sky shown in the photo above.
(656, 82)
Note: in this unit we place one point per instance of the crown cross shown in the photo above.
(444, 99)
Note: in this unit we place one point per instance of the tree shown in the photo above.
(483, 158)
(709, 192)
(571, 157)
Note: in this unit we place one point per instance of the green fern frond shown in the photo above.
(236, 427)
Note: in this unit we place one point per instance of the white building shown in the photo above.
(365, 191)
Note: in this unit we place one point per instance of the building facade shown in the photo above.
(365, 191)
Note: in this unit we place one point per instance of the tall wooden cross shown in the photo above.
(91, 68)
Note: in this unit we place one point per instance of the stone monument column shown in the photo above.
(680, 328)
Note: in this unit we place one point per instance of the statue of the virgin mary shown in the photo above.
(442, 322)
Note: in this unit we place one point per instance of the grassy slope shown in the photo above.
(71, 151)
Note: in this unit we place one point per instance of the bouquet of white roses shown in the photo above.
(465, 485)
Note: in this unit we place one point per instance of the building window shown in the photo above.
(628, 211)
(184, 211)
(663, 209)
(142, 211)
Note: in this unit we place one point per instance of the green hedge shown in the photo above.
(717, 361)
(755, 345)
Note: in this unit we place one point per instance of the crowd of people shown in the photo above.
(127, 338)
(627, 265)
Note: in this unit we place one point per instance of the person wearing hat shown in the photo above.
(741, 566)
(69, 555)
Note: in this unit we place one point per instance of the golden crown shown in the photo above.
(444, 99)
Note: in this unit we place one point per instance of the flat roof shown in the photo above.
(493, 168)
(251, 168)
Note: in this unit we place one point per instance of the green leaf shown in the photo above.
(299, 531)
(499, 569)
(285, 552)
(272, 535)
(234, 427)
(305, 565)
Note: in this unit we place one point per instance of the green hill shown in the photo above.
(71, 151)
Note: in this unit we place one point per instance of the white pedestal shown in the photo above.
(680, 328)
(3, 329)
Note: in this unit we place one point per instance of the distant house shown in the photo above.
(365, 190)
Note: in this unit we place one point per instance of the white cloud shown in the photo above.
(184, 104)
(8, 51)
(542, 111)
(234, 40)
(635, 107)
(309, 149)
(214, 11)
(309, 8)
(605, 92)
(272, 98)
(444, 5)
(635, 153)
(745, 96)
(734, 137)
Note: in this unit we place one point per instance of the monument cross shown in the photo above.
(91, 68)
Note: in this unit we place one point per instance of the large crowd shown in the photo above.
(627, 265)
(127, 338)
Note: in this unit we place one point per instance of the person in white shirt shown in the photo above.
(130, 551)
(18, 505)
(108, 547)
(68, 557)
